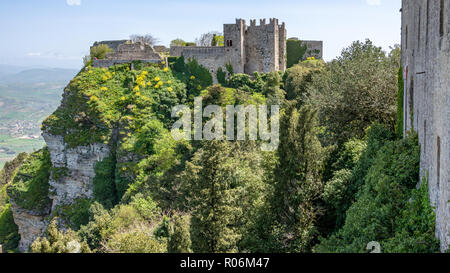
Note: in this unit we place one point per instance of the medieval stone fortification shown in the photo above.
(248, 49)
(125, 51)
(426, 69)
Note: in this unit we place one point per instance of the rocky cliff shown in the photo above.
(101, 112)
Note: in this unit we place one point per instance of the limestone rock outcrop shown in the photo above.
(78, 164)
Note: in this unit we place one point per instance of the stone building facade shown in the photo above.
(426, 71)
(248, 48)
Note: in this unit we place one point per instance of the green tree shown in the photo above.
(400, 100)
(295, 51)
(226, 189)
(178, 42)
(272, 89)
(355, 90)
(298, 184)
(100, 51)
(57, 241)
(180, 237)
(298, 78)
(213, 227)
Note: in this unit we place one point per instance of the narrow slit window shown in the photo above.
(406, 38)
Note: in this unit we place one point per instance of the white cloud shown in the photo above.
(373, 2)
(73, 2)
(53, 55)
(34, 54)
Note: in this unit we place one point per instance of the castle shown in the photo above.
(426, 73)
(247, 49)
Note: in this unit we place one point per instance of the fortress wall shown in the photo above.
(132, 52)
(210, 57)
(176, 51)
(109, 63)
(314, 49)
(114, 45)
(426, 69)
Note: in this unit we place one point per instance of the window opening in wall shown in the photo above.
(406, 38)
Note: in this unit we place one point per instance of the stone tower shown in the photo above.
(234, 36)
(260, 48)
(426, 73)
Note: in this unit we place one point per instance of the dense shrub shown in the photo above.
(179, 235)
(74, 215)
(100, 51)
(295, 52)
(299, 77)
(104, 182)
(356, 90)
(56, 241)
(30, 188)
(400, 95)
(9, 232)
(221, 76)
(383, 201)
(99, 101)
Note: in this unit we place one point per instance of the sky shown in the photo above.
(58, 33)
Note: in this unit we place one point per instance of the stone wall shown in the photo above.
(136, 51)
(114, 45)
(426, 69)
(109, 63)
(209, 57)
(314, 49)
(126, 52)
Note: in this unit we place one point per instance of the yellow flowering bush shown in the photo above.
(142, 89)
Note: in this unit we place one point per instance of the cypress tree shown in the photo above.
(298, 184)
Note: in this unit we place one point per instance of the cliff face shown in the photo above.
(31, 225)
(78, 165)
(101, 112)
(73, 183)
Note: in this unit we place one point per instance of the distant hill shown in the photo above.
(27, 96)
(10, 69)
(53, 75)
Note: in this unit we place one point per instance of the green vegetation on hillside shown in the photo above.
(29, 188)
(340, 179)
